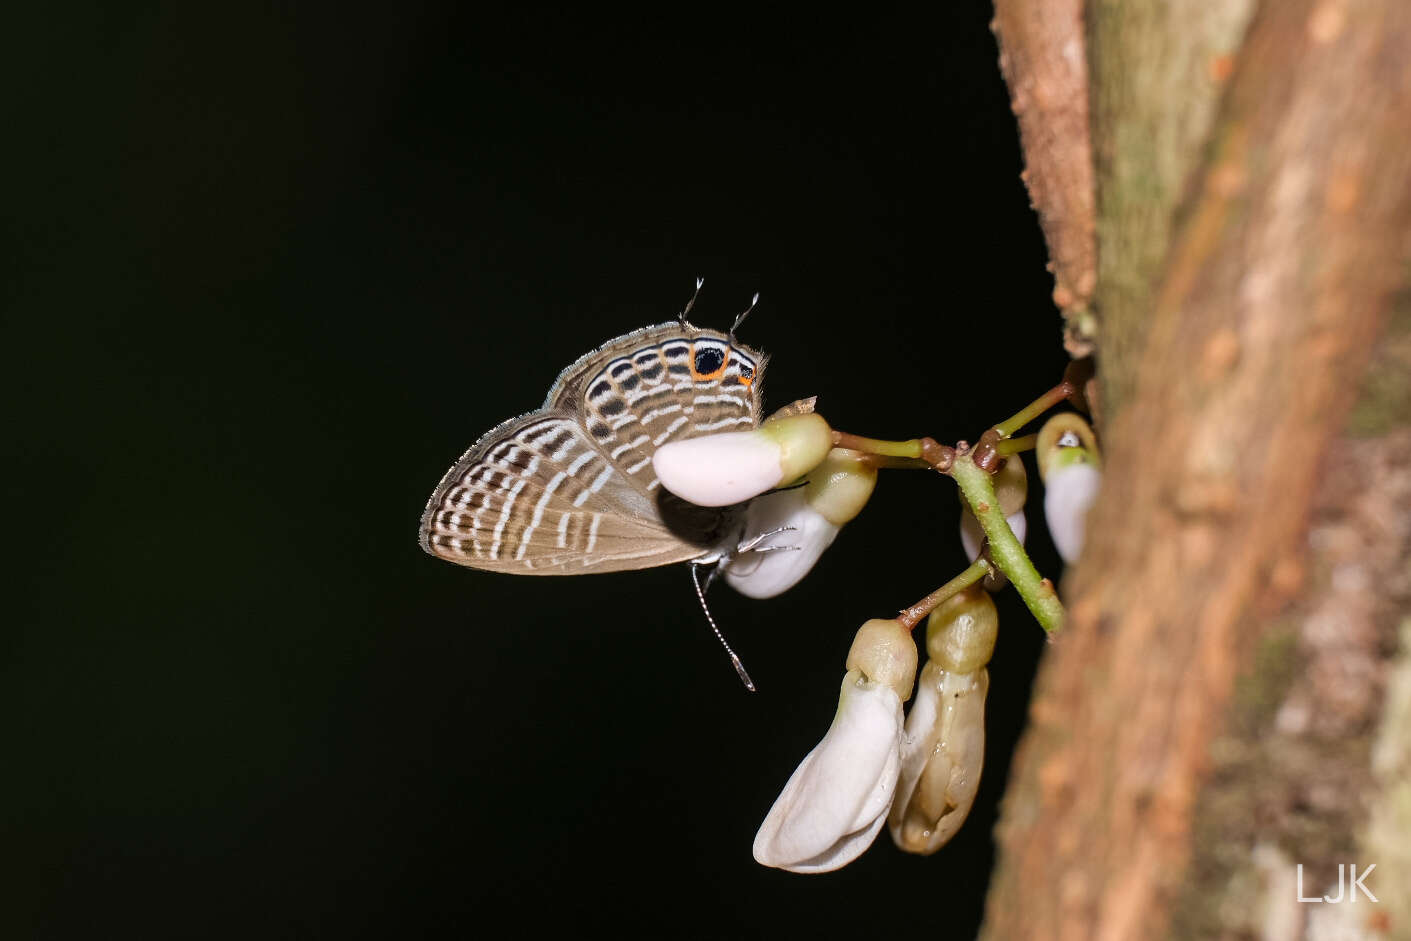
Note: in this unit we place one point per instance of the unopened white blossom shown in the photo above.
(1070, 464)
(729, 468)
(1069, 494)
(837, 799)
(796, 536)
(787, 531)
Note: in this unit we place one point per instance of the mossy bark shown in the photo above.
(1219, 671)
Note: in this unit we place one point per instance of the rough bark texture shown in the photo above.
(1158, 69)
(1044, 62)
(1265, 298)
(1294, 779)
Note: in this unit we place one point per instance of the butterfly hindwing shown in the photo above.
(535, 496)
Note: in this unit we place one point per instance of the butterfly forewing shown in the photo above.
(570, 489)
(664, 384)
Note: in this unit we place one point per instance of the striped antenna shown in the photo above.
(741, 319)
(681, 317)
(700, 594)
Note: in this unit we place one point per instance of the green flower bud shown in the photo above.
(839, 487)
(883, 652)
(961, 632)
(1066, 439)
(803, 440)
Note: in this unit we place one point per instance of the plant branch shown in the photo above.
(1005, 549)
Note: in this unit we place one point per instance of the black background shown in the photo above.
(272, 270)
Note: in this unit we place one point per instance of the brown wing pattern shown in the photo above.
(536, 497)
(674, 382)
(570, 489)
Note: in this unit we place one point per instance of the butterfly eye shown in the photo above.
(709, 361)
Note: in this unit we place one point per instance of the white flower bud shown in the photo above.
(803, 522)
(720, 470)
(837, 799)
(1070, 492)
(1070, 463)
(780, 561)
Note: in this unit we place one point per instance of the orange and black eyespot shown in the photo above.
(746, 374)
(708, 362)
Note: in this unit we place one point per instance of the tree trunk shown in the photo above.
(1225, 703)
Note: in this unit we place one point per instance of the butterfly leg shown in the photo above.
(753, 544)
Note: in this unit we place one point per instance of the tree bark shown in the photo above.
(1042, 55)
(1248, 256)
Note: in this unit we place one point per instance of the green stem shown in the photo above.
(1008, 555)
(1015, 445)
(912, 616)
(1034, 409)
(905, 449)
(907, 453)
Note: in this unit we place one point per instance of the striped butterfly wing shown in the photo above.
(562, 492)
(665, 383)
(536, 497)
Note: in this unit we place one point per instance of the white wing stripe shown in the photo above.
(656, 413)
(598, 482)
(670, 430)
(538, 514)
(504, 517)
(723, 397)
(622, 449)
(712, 425)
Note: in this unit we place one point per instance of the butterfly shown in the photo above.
(569, 489)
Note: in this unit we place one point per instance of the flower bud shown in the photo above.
(1070, 492)
(961, 631)
(837, 799)
(802, 522)
(839, 487)
(883, 651)
(798, 534)
(1070, 464)
(799, 524)
(1066, 439)
(719, 470)
(943, 753)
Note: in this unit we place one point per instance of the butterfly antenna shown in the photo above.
(700, 593)
(691, 303)
(741, 319)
